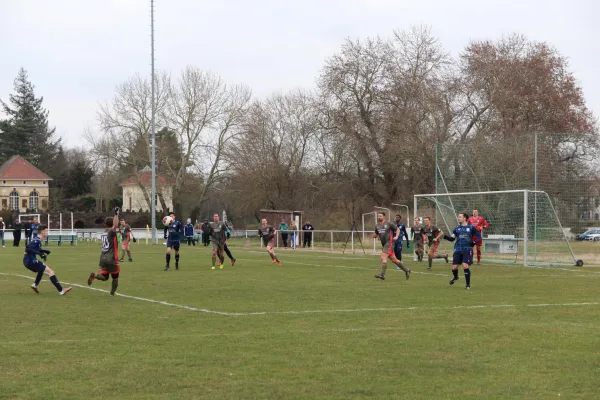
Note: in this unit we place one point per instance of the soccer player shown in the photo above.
(33, 230)
(466, 236)
(2, 229)
(388, 233)
(479, 223)
(126, 236)
(109, 255)
(398, 243)
(433, 235)
(418, 233)
(225, 248)
(173, 241)
(189, 232)
(267, 233)
(218, 235)
(30, 261)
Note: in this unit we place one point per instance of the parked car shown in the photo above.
(592, 235)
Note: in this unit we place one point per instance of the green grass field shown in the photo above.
(319, 327)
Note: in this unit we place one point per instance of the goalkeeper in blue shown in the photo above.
(465, 237)
(30, 261)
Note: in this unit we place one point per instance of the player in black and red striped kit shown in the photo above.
(109, 256)
(267, 233)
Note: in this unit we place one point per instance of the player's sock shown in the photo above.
(228, 253)
(402, 267)
(168, 259)
(129, 254)
(467, 276)
(430, 260)
(55, 282)
(455, 273)
(38, 279)
(383, 268)
(114, 285)
(214, 260)
(176, 259)
(221, 258)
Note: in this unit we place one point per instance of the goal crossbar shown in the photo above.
(525, 239)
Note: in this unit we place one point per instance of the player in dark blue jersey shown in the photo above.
(173, 241)
(30, 261)
(33, 229)
(398, 243)
(465, 237)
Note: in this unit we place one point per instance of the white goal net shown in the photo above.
(523, 225)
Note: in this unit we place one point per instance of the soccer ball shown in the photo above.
(167, 220)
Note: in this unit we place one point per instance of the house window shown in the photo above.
(44, 204)
(34, 200)
(43, 182)
(4, 182)
(130, 201)
(24, 182)
(14, 200)
(4, 204)
(23, 203)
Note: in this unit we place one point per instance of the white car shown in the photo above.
(593, 237)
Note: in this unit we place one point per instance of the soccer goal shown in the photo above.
(29, 217)
(524, 226)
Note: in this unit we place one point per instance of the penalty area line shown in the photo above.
(332, 311)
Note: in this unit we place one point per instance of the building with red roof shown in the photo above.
(135, 186)
(22, 186)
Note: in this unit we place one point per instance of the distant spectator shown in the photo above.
(205, 228)
(2, 229)
(294, 233)
(188, 230)
(17, 234)
(283, 229)
(308, 235)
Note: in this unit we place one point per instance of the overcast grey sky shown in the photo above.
(77, 51)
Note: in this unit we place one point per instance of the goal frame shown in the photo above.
(39, 216)
(526, 193)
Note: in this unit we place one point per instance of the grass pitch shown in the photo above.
(319, 327)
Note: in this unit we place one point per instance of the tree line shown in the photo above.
(366, 135)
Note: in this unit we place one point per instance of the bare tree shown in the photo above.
(206, 115)
(125, 123)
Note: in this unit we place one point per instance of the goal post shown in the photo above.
(27, 217)
(524, 225)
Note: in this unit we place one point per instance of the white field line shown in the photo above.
(208, 335)
(393, 268)
(334, 311)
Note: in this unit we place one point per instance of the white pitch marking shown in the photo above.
(357, 310)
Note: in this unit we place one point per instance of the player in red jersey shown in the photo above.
(480, 223)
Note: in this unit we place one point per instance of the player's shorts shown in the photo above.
(173, 244)
(218, 246)
(419, 245)
(462, 257)
(270, 243)
(109, 266)
(125, 243)
(387, 249)
(433, 247)
(35, 266)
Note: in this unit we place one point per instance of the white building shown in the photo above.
(134, 187)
